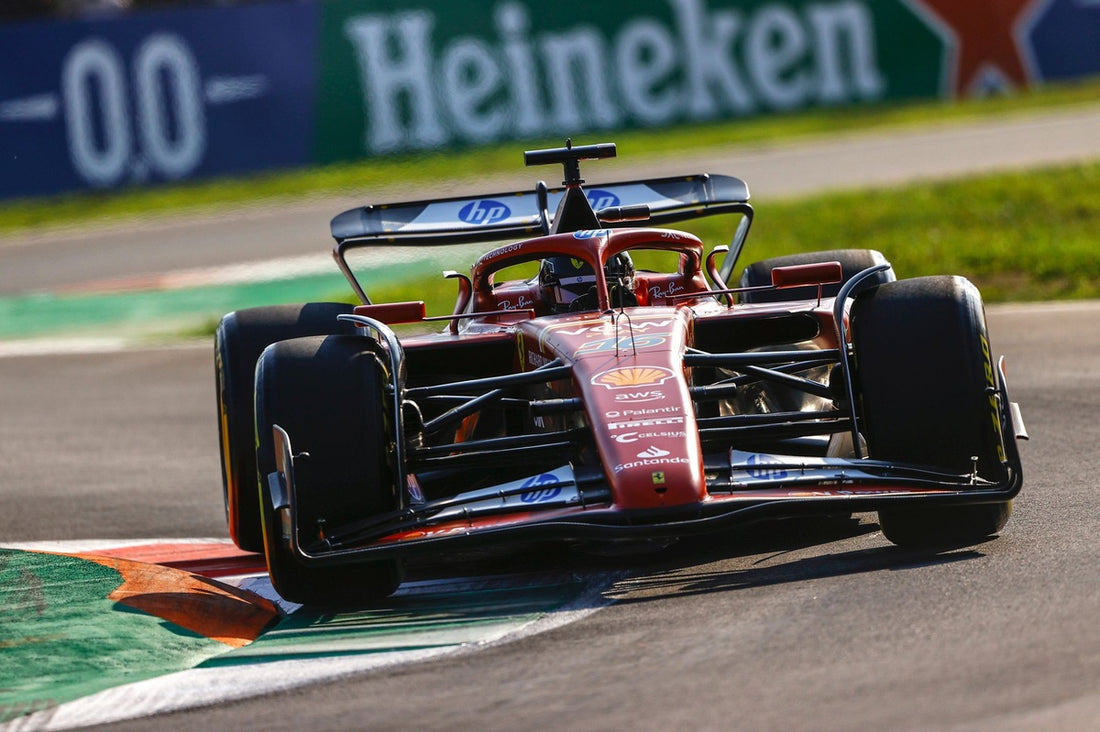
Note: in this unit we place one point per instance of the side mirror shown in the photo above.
(394, 312)
(801, 275)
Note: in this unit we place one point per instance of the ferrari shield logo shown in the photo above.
(658, 477)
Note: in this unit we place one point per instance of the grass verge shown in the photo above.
(1018, 236)
(24, 215)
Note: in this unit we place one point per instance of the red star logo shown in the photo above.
(985, 38)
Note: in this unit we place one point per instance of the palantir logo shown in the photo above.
(600, 199)
(484, 212)
(547, 488)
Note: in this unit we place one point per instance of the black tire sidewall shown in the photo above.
(924, 375)
(327, 394)
(240, 338)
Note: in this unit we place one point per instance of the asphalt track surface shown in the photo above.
(800, 626)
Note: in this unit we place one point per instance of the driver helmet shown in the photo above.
(564, 279)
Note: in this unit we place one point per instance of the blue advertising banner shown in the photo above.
(156, 96)
(1065, 37)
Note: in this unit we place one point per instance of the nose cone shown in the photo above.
(644, 426)
(628, 369)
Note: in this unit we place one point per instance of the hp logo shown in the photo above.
(591, 233)
(544, 488)
(484, 212)
(602, 199)
(764, 467)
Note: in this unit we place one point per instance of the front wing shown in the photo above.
(566, 505)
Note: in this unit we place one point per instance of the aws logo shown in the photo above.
(637, 397)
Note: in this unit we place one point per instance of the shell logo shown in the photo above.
(634, 376)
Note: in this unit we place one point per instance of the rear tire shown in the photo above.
(924, 383)
(852, 262)
(328, 394)
(240, 339)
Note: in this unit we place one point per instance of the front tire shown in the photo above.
(926, 392)
(944, 527)
(328, 394)
(240, 339)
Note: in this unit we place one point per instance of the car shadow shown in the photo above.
(649, 573)
(677, 577)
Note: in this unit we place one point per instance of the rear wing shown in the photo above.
(526, 214)
(511, 215)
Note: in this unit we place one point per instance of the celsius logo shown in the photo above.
(602, 199)
(547, 489)
(484, 212)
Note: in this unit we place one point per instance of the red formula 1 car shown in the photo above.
(592, 385)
